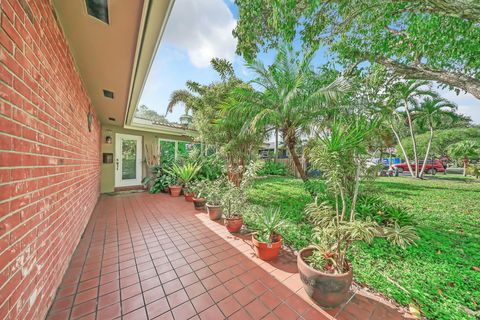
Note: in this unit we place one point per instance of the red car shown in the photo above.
(436, 166)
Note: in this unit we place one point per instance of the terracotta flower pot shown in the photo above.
(188, 196)
(326, 289)
(175, 191)
(214, 212)
(234, 224)
(199, 203)
(267, 251)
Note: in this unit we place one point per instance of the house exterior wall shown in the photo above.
(148, 138)
(49, 160)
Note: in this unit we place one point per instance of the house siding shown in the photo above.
(49, 160)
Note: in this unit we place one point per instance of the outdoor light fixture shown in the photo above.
(111, 119)
(185, 119)
(108, 140)
(107, 93)
(98, 9)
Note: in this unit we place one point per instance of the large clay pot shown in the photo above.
(234, 224)
(214, 212)
(267, 251)
(326, 289)
(199, 203)
(175, 191)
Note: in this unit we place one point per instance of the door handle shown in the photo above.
(116, 161)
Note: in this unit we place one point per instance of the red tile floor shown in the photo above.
(146, 256)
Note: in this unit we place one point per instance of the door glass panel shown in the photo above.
(129, 159)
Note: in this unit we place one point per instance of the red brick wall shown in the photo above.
(49, 161)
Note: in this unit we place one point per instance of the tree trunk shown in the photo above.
(412, 135)
(276, 145)
(291, 148)
(422, 72)
(465, 166)
(403, 150)
(428, 150)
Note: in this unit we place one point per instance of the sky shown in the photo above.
(196, 32)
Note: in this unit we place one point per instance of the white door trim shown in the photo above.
(119, 182)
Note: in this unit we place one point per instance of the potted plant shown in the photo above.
(324, 268)
(184, 174)
(199, 189)
(267, 240)
(233, 203)
(158, 181)
(188, 193)
(214, 199)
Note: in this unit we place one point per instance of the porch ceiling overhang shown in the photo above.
(115, 56)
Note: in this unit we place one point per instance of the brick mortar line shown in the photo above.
(70, 205)
(10, 199)
(39, 258)
(36, 130)
(33, 142)
(48, 69)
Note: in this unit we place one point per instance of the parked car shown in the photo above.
(431, 166)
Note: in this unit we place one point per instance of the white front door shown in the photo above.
(128, 160)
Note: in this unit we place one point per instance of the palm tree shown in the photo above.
(406, 95)
(291, 98)
(465, 150)
(430, 111)
(212, 120)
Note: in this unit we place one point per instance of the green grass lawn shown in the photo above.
(439, 274)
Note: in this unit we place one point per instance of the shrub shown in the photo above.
(273, 168)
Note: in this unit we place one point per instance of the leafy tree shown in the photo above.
(425, 40)
(292, 97)
(465, 150)
(215, 123)
(403, 97)
(431, 111)
(145, 112)
(442, 140)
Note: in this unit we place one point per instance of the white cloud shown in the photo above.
(467, 104)
(203, 29)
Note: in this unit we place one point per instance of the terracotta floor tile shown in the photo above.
(86, 295)
(111, 312)
(154, 256)
(229, 306)
(172, 286)
(177, 298)
(132, 304)
(211, 282)
(212, 313)
(270, 300)
(108, 299)
(195, 289)
(139, 314)
(150, 283)
(202, 302)
(244, 296)
(157, 308)
(184, 311)
(219, 293)
(84, 309)
(257, 309)
(240, 315)
(283, 311)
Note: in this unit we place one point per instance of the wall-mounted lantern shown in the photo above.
(108, 140)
